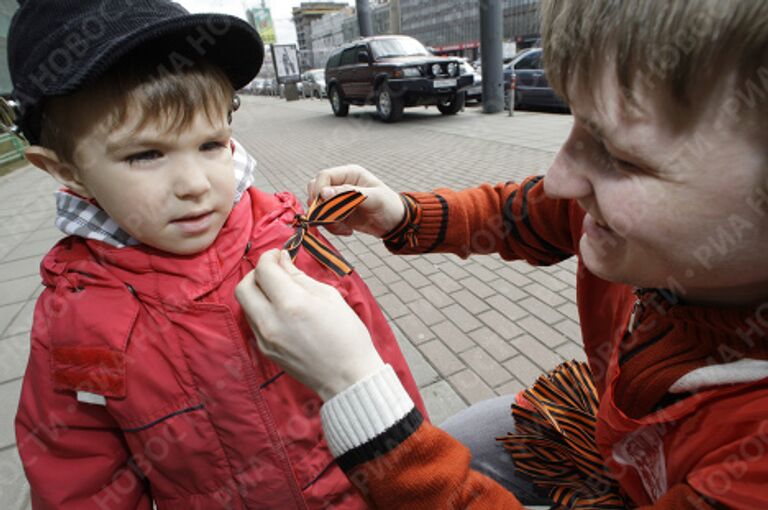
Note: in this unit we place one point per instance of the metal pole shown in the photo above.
(364, 18)
(394, 17)
(491, 30)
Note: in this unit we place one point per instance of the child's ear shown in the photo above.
(49, 162)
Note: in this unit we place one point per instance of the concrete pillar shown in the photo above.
(491, 48)
(364, 18)
(395, 26)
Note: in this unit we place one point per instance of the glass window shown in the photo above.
(532, 61)
(334, 60)
(349, 57)
(397, 47)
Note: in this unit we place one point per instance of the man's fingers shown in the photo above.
(276, 284)
(354, 175)
(331, 191)
(311, 191)
(299, 276)
(339, 229)
(253, 300)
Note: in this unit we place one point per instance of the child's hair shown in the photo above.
(683, 49)
(140, 84)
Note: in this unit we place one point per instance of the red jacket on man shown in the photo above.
(144, 383)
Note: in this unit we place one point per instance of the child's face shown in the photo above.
(170, 190)
(686, 211)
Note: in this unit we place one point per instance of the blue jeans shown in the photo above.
(477, 427)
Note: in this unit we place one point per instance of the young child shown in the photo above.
(144, 385)
(661, 191)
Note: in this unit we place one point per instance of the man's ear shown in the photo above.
(49, 162)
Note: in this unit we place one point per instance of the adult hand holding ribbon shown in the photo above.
(333, 210)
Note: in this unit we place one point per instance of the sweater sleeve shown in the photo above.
(516, 220)
(398, 460)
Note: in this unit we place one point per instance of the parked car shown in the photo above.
(314, 83)
(531, 87)
(475, 91)
(393, 72)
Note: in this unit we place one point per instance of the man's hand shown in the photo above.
(306, 326)
(381, 211)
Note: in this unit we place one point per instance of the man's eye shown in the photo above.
(143, 156)
(620, 164)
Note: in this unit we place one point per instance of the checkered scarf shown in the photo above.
(79, 217)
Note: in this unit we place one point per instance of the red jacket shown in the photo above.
(194, 416)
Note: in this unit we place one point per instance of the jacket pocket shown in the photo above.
(179, 452)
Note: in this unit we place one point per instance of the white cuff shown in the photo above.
(364, 410)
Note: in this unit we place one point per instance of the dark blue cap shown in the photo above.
(55, 47)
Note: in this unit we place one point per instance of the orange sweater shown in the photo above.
(665, 384)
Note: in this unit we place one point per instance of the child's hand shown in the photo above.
(306, 326)
(380, 213)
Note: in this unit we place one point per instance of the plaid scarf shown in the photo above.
(79, 217)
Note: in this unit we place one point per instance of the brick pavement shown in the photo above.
(471, 329)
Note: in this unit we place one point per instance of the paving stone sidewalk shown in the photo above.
(471, 329)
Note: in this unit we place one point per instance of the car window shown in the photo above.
(334, 59)
(398, 47)
(532, 61)
(349, 57)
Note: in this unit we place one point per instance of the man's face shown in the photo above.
(170, 190)
(685, 210)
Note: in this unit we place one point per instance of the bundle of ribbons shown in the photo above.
(554, 441)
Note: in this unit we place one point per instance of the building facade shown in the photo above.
(450, 27)
(303, 16)
(328, 33)
(380, 18)
(453, 26)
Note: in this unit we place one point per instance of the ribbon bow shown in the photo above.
(326, 212)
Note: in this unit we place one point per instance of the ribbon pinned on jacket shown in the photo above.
(326, 212)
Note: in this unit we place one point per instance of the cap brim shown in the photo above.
(227, 41)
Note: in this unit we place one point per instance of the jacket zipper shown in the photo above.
(637, 310)
(266, 416)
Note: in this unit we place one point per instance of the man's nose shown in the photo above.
(568, 177)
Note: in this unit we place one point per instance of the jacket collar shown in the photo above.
(80, 217)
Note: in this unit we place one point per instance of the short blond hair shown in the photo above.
(682, 48)
(170, 98)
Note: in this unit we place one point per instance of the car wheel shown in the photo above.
(388, 105)
(452, 106)
(340, 108)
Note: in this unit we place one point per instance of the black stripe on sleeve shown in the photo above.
(551, 249)
(382, 444)
(510, 222)
(443, 224)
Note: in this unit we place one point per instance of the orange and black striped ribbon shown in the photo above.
(554, 442)
(406, 231)
(326, 212)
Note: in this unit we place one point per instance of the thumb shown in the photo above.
(331, 191)
(296, 274)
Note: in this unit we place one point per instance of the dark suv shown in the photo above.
(393, 72)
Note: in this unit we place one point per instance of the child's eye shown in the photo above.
(210, 146)
(143, 156)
